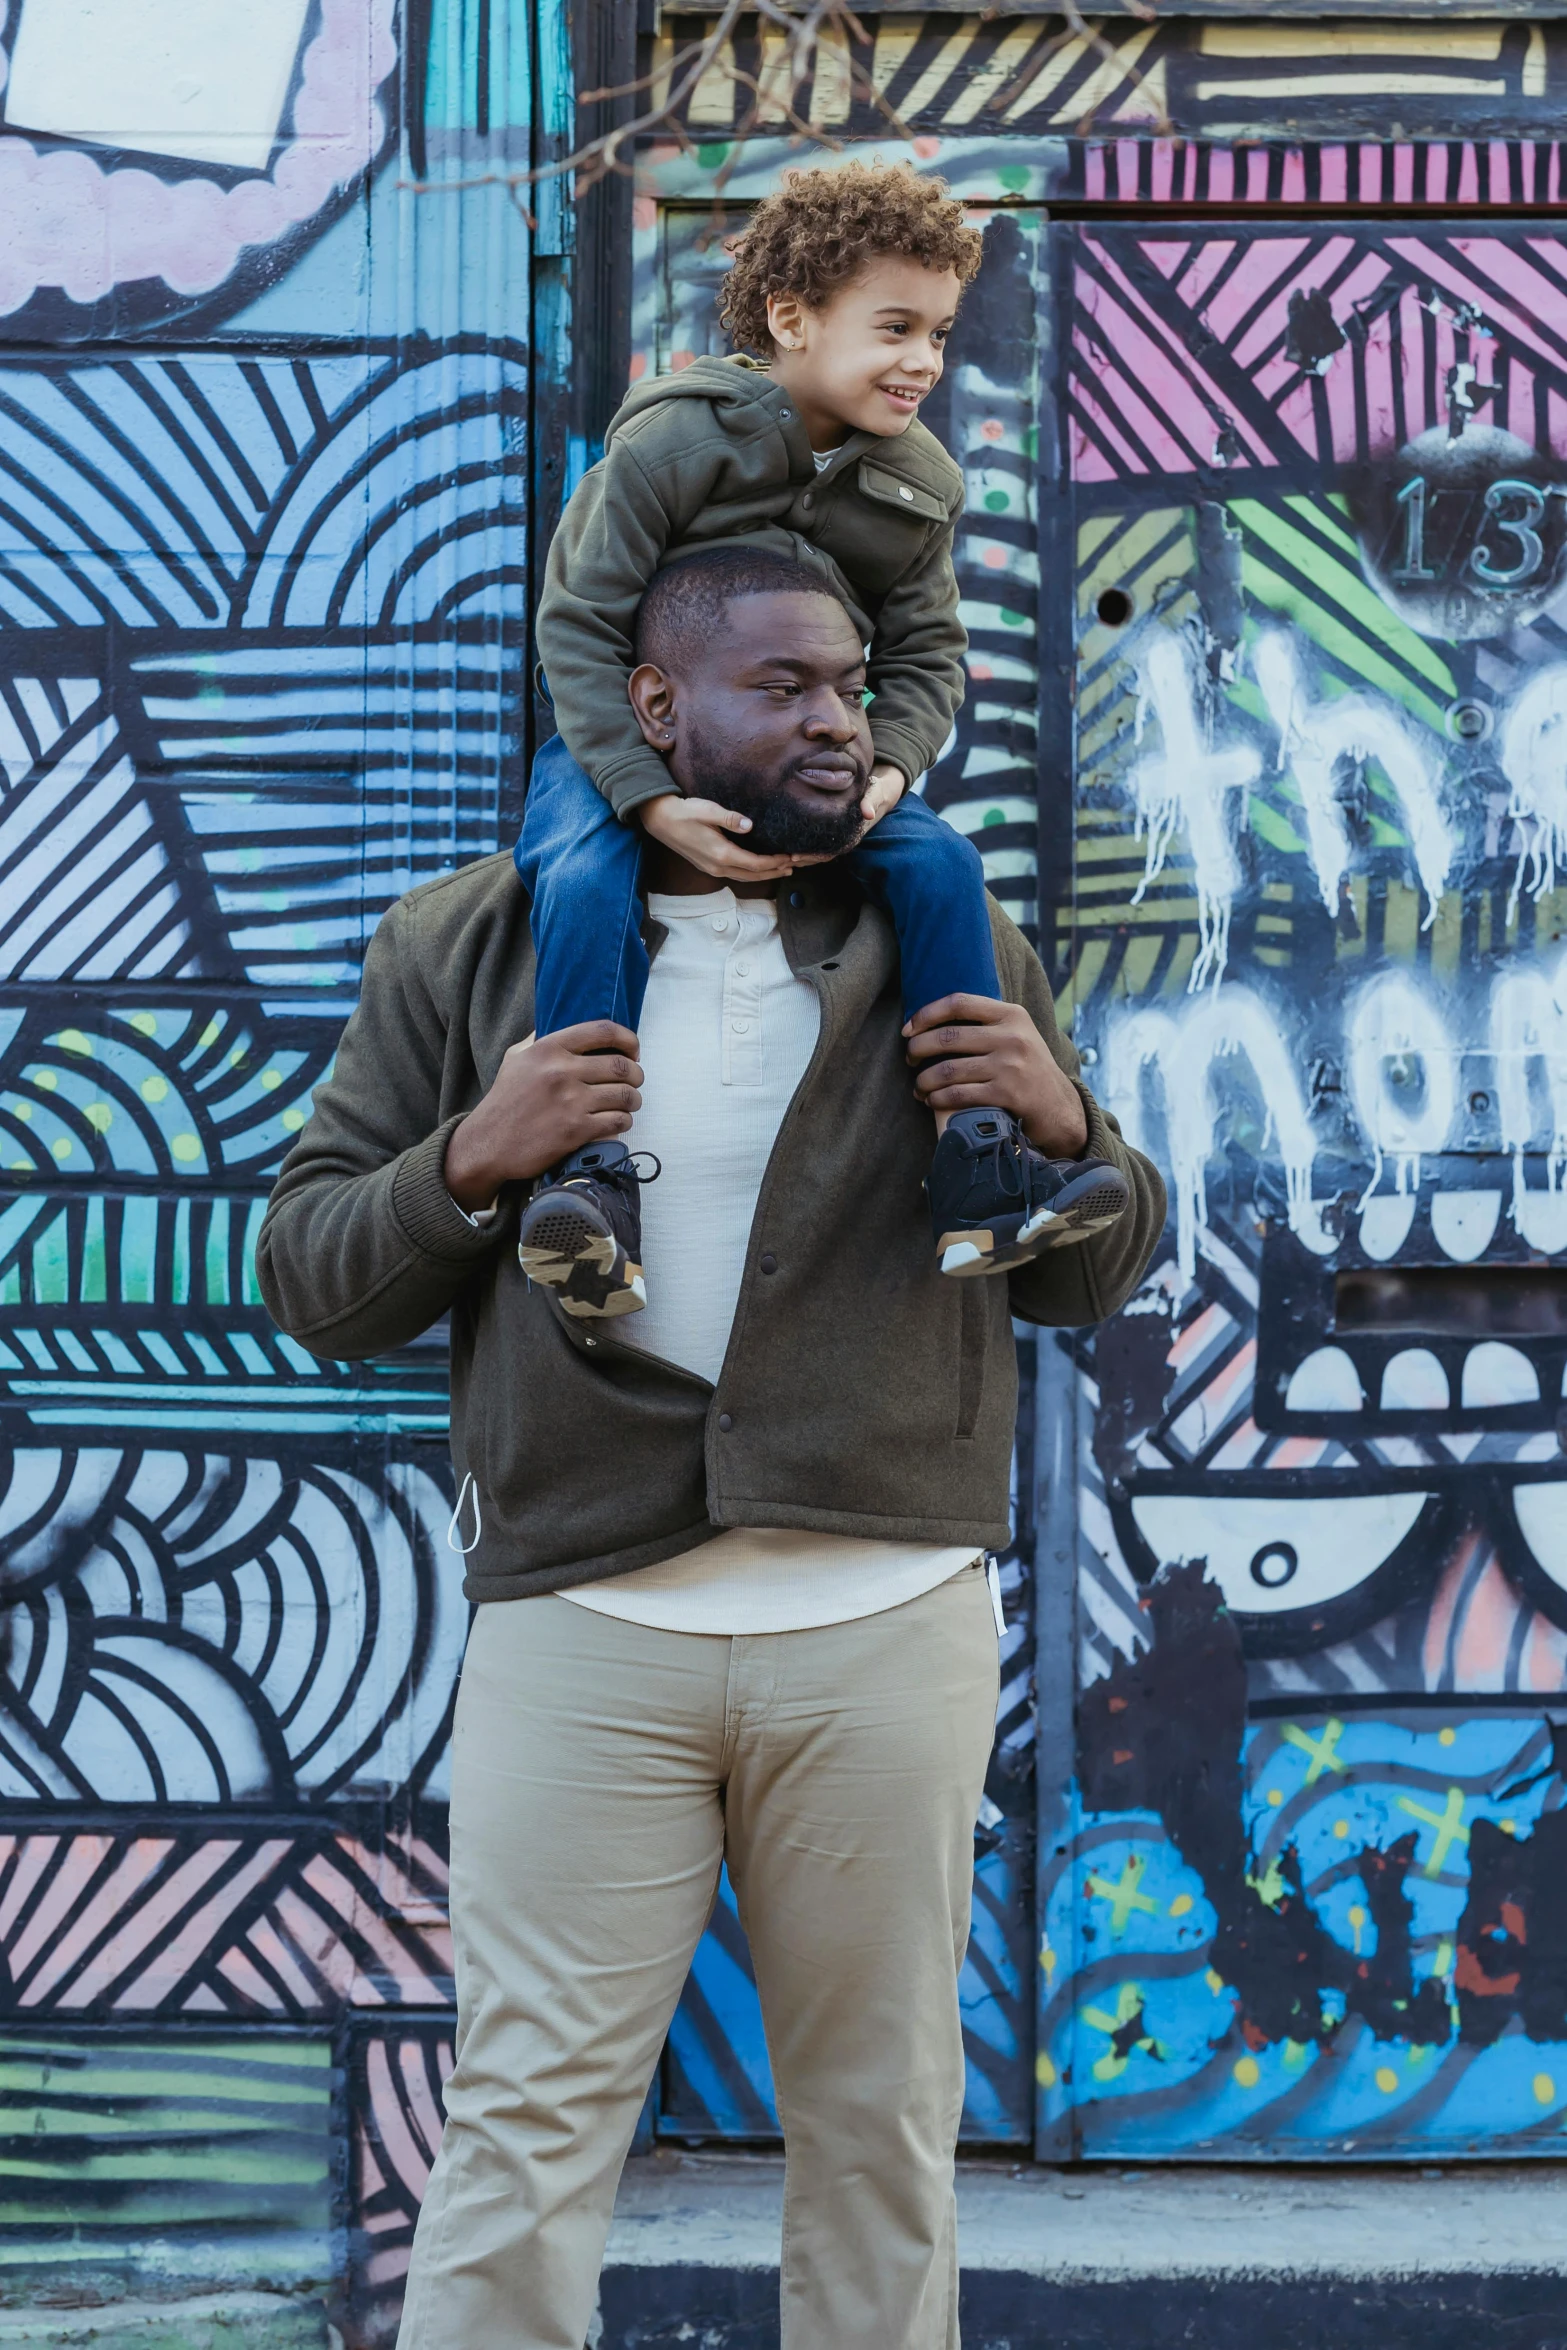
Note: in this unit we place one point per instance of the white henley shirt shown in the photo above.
(727, 1033)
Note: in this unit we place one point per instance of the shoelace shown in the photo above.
(1004, 1156)
(627, 1172)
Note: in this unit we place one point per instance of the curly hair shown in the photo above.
(823, 226)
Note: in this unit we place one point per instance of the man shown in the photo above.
(726, 1550)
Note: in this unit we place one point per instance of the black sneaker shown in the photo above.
(995, 1201)
(581, 1232)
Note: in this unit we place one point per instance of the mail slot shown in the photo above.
(1457, 1301)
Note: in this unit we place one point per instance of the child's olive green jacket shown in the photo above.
(718, 453)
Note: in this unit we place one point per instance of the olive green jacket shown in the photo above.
(861, 1393)
(718, 453)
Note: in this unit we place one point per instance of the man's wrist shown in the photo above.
(477, 1217)
(1061, 1130)
(471, 1184)
(425, 1208)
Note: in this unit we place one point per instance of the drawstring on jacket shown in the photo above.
(454, 1523)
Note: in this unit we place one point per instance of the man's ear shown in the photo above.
(653, 700)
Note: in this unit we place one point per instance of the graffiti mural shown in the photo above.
(153, 2158)
(1313, 943)
(166, 165)
(280, 418)
(1041, 83)
(266, 436)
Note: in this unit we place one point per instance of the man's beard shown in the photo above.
(781, 825)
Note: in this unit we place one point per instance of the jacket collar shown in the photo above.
(738, 381)
(823, 916)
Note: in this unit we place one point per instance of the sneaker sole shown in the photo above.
(964, 1254)
(597, 1297)
(594, 1278)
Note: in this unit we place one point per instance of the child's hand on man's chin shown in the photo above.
(703, 834)
(884, 790)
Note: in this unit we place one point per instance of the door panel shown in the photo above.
(1312, 484)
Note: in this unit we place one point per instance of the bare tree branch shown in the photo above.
(1093, 34)
(801, 28)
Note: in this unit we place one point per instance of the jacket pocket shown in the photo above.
(885, 488)
(973, 1346)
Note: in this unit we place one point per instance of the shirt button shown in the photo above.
(720, 923)
(769, 1264)
(725, 1423)
(742, 970)
(740, 1027)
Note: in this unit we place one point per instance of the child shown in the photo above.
(844, 286)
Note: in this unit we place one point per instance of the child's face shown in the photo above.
(866, 359)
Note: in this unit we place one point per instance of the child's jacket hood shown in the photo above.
(745, 398)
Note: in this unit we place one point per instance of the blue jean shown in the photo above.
(582, 869)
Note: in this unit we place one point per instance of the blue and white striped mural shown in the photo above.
(265, 435)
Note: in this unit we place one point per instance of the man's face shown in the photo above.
(769, 719)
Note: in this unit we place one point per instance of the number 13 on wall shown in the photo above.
(1512, 509)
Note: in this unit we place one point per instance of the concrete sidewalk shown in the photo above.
(1210, 2259)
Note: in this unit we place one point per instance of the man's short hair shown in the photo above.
(687, 602)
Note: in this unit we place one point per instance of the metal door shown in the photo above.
(1304, 1892)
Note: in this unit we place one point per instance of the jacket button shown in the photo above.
(805, 501)
(785, 415)
(796, 898)
(725, 1423)
(903, 493)
(769, 1264)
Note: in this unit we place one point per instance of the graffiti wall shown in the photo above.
(266, 428)
(1313, 477)
(1268, 1860)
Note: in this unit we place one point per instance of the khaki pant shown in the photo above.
(601, 1773)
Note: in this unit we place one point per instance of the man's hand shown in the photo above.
(973, 1053)
(551, 1095)
(884, 789)
(704, 834)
